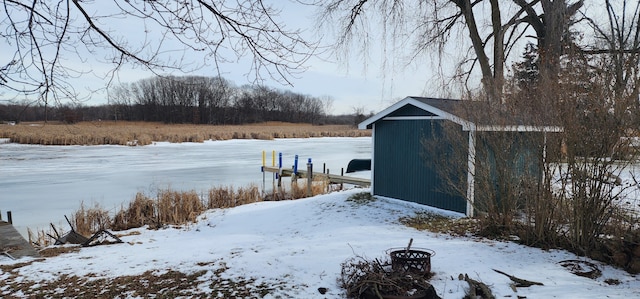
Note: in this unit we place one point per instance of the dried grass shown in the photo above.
(202, 281)
(299, 188)
(171, 207)
(227, 197)
(90, 220)
(179, 207)
(141, 211)
(143, 133)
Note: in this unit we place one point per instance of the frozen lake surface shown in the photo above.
(41, 184)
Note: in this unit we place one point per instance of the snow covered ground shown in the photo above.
(297, 245)
(300, 245)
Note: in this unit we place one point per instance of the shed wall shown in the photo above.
(405, 170)
(508, 163)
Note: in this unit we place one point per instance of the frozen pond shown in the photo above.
(41, 184)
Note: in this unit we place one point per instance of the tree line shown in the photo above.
(187, 99)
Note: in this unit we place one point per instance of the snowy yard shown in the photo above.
(299, 245)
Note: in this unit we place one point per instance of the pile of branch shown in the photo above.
(363, 278)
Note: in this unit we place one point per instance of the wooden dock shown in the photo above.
(12, 244)
(332, 178)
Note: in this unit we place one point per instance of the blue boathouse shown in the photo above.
(413, 137)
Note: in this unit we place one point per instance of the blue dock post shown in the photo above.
(309, 177)
(279, 166)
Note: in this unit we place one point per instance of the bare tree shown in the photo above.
(442, 25)
(46, 42)
(616, 57)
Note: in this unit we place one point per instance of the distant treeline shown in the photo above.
(188, 99)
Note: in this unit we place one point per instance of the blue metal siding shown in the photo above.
(403, 169)
(518, 162)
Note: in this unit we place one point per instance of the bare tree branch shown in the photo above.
(50, 39)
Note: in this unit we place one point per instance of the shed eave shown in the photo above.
(518, 128)
(366, 124)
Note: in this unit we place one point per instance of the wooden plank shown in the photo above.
(333, 178)
(12, 244)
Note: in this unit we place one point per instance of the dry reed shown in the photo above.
(143, 133)
(172, 207)
(141, 211)
(299, 188)
(227, 197)
(179, 207)
(87, 221)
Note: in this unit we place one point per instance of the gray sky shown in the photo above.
(352, 83)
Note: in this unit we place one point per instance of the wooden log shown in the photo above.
(519, 282)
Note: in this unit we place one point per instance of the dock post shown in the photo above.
(9, 217)
(295, 168)
(309, 178)
(279, 174)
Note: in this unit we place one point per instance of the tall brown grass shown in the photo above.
(141, 211)
(143, 133)
(179, 207)
(299, 188)
(170, 207)
(228, 197)
(88, 220)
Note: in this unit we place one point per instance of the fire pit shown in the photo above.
(413, 260)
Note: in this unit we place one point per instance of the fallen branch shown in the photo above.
(521, 283)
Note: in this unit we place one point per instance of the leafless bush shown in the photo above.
(559, 189)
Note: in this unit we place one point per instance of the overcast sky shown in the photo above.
(352, 83)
